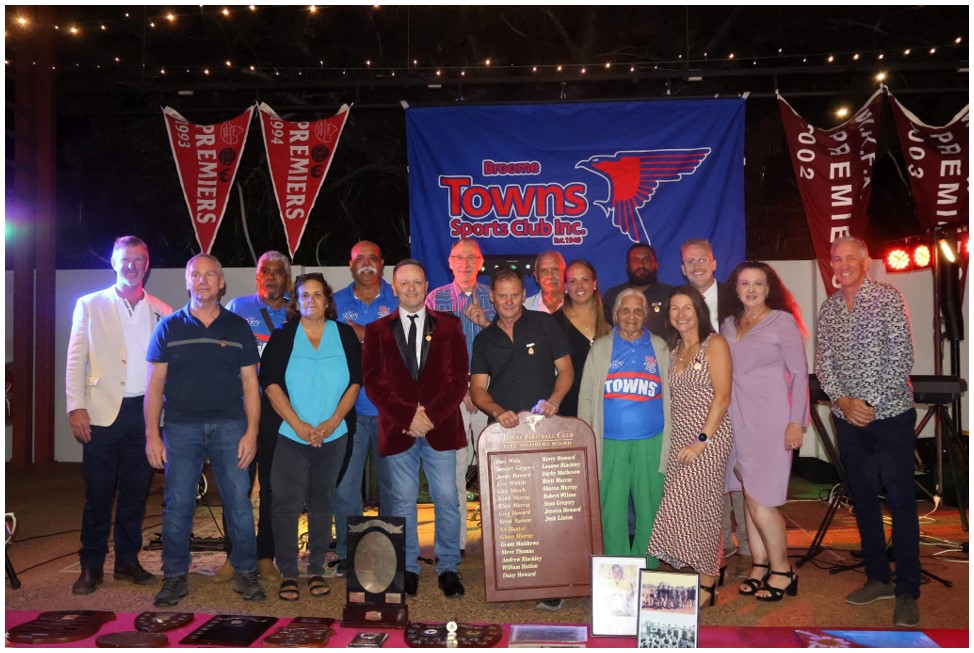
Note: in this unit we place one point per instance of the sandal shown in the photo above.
(712, 601)
(288, 591)
(318, 586)
(753, 584)
(777, 593)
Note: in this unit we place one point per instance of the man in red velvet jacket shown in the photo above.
(414, 368)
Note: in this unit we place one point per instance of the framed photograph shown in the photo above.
(615, 585)
(669, 607)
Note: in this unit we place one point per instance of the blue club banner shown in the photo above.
(588, 180)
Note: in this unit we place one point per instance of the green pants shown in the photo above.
(629, 468)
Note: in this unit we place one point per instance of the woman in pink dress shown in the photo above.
(769, 408)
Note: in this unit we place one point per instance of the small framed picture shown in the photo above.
(615, 585)
(669, 606)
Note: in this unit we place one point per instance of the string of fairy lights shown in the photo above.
(953, 50)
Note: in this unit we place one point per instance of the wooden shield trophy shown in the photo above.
(376, 573)
(539, 496)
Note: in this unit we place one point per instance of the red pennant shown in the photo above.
(299, 155)
(207, 158)
(937, 162)
(834, 171)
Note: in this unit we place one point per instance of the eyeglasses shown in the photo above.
(700, 260)
(464, 259)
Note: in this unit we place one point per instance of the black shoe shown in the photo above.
(172, 590)
(411, 584)
(451, 585)
(551, 605)
(133, 572)
(249, 587)
(88, 581)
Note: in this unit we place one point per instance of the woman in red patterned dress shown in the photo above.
(687, 532)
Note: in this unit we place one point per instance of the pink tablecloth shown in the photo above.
(710, 636)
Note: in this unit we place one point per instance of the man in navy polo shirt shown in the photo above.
(363, 301)
(203, 368)
(264, 312)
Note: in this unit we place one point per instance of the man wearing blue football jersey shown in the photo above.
(264, 312)
(363, 301)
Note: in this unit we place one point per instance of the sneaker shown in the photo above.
(172, 590)
(907, 613)
(224, 574)
(551, 605)
(871, 592)
(248, 587)
(336, 569)
(267, 571)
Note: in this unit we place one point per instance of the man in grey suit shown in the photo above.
(105, 382)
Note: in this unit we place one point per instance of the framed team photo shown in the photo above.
(669, 608)
(615, 585)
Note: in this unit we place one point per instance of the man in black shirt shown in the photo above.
(524, 357)
(641, 264)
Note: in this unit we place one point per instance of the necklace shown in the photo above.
(748, 321)
(686, 352)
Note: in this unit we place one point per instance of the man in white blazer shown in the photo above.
(105, 385)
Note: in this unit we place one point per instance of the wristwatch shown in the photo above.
(703, 437)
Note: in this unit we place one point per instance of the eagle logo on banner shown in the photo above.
(633, 178)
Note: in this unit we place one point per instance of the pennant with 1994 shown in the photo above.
(299, 155)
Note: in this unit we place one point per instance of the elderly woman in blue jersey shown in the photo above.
(311, 371)
(622, 398)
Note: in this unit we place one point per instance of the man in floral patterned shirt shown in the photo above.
(863, 359)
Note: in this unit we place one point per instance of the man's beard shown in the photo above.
(646, 278)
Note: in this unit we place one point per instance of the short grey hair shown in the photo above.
(859, 242)
(219, 266)
(274, 255)
(550, 252)
(128, 241)
(629, 292)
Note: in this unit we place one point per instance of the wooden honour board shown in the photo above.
(539, 498)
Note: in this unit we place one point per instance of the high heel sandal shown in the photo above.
(777, 593)
(720, 579)
(754, 583)
(712, 588)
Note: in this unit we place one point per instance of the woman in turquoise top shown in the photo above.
(311, 372)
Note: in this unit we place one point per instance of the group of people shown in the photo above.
(693, 392)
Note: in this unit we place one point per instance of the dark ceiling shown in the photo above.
(120, 64)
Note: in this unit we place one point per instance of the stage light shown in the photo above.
(947, 250)
(898, 260)
(921, 257)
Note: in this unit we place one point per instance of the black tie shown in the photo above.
(411, 347)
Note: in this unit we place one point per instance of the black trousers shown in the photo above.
(114, 460)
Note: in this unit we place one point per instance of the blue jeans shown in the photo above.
(400, 476)
(876, 456)
(188, 446)
(115, 459)
(348, 497)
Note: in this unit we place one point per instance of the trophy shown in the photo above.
(376, 573)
